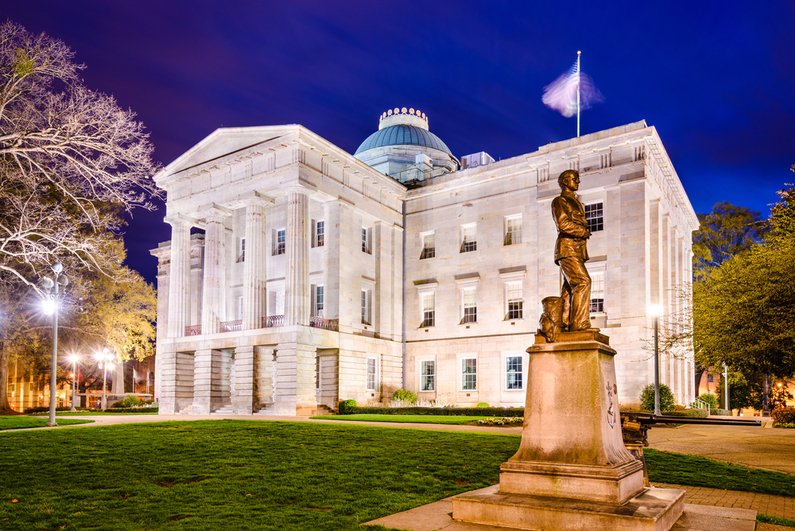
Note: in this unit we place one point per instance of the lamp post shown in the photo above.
(104, 357)
(726, 388)
(51, 307)
(73, 359)
(656, 310)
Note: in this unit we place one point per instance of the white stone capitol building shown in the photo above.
(299, 275)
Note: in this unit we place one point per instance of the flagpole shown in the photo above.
(578, 93)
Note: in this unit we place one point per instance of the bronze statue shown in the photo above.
(571, 253)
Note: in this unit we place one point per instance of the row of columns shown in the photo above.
(297, 295)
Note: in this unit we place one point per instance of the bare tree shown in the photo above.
(70, 160)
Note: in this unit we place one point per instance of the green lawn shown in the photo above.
(417, 419)
(89, 413)
(17, 422)
(230, 474)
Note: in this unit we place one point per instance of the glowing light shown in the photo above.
(49, 306)
(561, 94)
(655, 310)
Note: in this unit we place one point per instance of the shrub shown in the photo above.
(503, 421)
(694, 413)
(666, 398)
(404, 395)
(131, 401)
(450, 411)
(117, 404)
(710, 399)
(347, 406)
(784, 415)
(482, 404)
(721, 412)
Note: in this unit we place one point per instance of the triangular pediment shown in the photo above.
(223, 142)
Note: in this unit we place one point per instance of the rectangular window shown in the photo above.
(240, 307)
(317, 372)
(594, 215)
(428, 246)
(427, 376)
(281, 244)
(513, 373)
(366, 306)
(428, 310)
(711, 379)
(515, 300)
(470, 306)
(469, 238)
(469, 374)
(371, 374)
(241, 252)
(513, 230)
(597, 291)
(320, 233)
(319, 301)
(366, 241)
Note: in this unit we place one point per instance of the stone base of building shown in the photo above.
(651, 510)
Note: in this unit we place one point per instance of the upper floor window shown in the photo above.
(594, 214)
(241, 251)
(469, 238)
(513, 230)
(319, 301)
(428, 310)
(320, 233)
(597, 291)
(428, 245)
(365, 303)
(515, 300)
(470, 307)
(281, 242)
(366, 240)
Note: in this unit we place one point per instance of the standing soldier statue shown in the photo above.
(571, 253)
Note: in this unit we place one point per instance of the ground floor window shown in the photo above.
(371, 374)
(428, 375)
(469, 374)
(513, 373)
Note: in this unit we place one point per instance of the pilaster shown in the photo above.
(243, 395)
(202, 382)
(264, 376)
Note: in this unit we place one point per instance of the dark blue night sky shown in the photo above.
(717, 79)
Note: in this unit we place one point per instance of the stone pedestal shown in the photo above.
(572, 470)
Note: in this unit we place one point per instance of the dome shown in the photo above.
(403, 135)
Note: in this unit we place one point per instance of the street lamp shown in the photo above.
(51, 308)
(655, 310)
(104, 358)
(726, 388)
(73, 359)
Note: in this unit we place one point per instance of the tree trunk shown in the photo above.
(4, 405)
(699, 374)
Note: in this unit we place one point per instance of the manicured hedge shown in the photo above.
(721, 412)
(44, 409)
(694, 413)
(346, 409)
(784, 415)
(131, 410)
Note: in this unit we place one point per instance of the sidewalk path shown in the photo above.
(755, 447)
(780, 506)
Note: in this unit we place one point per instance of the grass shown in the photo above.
(681, 469)
(767, 519)
(89, 413)
(416, 419)
(18, 422)
(241, 475)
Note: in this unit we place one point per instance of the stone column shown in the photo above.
(263, 357)
(296, 295)
(295, 389)
(202, 382)
(243, 395)
(167, 377)
(179, 276)
(254, 292)
(213, 303)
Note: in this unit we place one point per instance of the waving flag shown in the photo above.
(571, 92)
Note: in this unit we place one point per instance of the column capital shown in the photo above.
(298, 189)
(256, 198)
(214, 213)
(178, 219)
